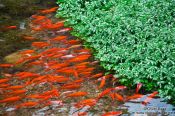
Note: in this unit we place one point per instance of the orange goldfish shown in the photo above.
(79, 58)
(27, 75)
(4, 80)
(35, 63)
(50, 50)
(77, 94)
(58, 80)
(112, 95)
(6, 65)
(14, 87)
(71, 42)
(116, 113)
(28, 38)
(97, 75)
(82, 113)
(83, 50)
(53, 92)
(102, 82)
(71, 86)
(35, 96)
(64, 30)
(47, 11)
(11, 27)
(40, 44)
(17, 92)
(4, 85)
(27, 52)
(105, 92)
(60, 65)
(59, 38)
(36, 29)
(89, 102)
(55, 26)
(27, 104)
(139, 85)
(149, 98)
(75, 46)
(120, 87)
(78, 80)
(135, 96)
(10, 99)
(56, 102)
(119, 97)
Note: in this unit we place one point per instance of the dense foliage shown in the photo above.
(133, 38)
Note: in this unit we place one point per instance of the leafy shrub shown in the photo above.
(134, 38)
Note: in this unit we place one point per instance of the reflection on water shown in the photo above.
(156, 107)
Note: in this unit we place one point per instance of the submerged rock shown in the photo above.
(12, 58)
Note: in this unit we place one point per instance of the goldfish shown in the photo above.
(27, 75)
(33, 57)
(55, 26)
(78, 80)
(40, 44)
(75, 46)
(102, 82)
(75, 73)
(60, 65)
(50, 50)
(53, 92)
(149, 98)
(68, 56)
(82, 113)
(135, 96)
(112, 95)
(55, 102)
(4, 80)
(72, 42)
(27, 104)
(83, 50)
(4, 85)
(97, 75)
(58, 80)
(71, 86)
(139, 85)
(38, 18)
(36, 29)
(17, 92)
(119, 97)
(116, 113)
(105, 92)
(35, 96)
(8, 75)
(10, 99)
(89, 102)
(39, 62)
(11, 27)
(27, 52)
(6, 65)
(59, 38)
(64, 30)
(47, 11)
(28, 38)
(77, 94)
(79, 58)
(14, 87)
(120, 87)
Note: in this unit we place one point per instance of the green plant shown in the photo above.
(134, 38)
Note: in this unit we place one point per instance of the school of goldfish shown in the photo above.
(64, 66)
